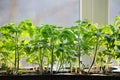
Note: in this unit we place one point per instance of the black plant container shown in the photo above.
(59, 77)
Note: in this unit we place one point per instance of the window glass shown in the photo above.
(58, 12)
(114, 8)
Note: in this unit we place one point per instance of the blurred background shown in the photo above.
(114, 9)
(56, 12)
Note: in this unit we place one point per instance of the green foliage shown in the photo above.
(49, 44)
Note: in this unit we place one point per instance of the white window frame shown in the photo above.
(95, 10)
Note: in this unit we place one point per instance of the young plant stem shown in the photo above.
(15, 58)
(76, 65)
(57, 69)
(79, 54)
(40, 62)
(60, 64)
(18, 57)
(95, 53)
(70, 66)
(61, 61)
(16, 54)
(52, 52)
(48, 60)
